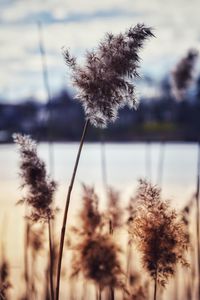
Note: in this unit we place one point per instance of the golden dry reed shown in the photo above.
(160, 235)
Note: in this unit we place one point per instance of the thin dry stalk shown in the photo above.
(51, 258)
(99, 294)
(62, 237)
(46, 290)
(189, 278)
(47, 89)
(161, 164)
(148, 161)
(115, 219)
(103, 165)
(198, 221)
(155, 286)
(26, 261)
(51, 154)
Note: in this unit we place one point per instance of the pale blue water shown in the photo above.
(125, 163)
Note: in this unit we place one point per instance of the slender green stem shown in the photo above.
(62, 237)
(51, 260)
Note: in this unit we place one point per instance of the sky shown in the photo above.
(79, 25)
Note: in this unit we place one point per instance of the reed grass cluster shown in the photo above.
(105, 84)
(160, 235)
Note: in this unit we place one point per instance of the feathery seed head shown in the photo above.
(105, 82)
(41, 188)
(96, 255)
(89, 215)
(159, 233)
(183, 74)
(98, 261)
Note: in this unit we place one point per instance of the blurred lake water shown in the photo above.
(174, 166)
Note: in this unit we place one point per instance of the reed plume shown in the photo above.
(40, 188)
(160, 235)
(97, 259)
(105, 83)
(96, 255)
(5, 283)
(183, 74)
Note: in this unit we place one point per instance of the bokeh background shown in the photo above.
(159, 141)
(32, 69)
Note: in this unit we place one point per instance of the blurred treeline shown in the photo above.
(158, 118)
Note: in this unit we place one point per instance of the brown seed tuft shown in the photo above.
(183, 74)
(105, 82)
(160, 235)
(40, 188)
(96, 255)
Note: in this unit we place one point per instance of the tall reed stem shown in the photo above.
(176, 284)
(198, 221)
(148, 161)
(155, 287)
(62, 237)
(112, 292)
(161, 164)
(103, 165)
(26, 262)
(48, 94)
(99, 296)
(51, 258)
